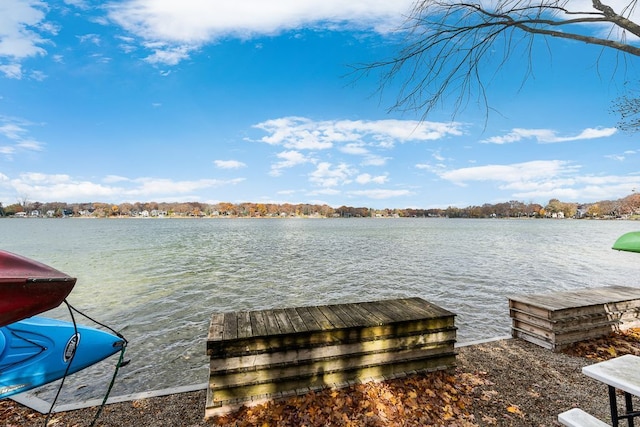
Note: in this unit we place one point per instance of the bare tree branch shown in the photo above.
(451, 46)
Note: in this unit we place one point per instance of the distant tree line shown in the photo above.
(626, 207)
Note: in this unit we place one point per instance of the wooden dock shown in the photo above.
(260, 355)
(558, 319)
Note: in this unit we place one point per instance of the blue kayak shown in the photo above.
(38, 350)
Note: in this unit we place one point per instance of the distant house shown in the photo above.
(21, 214)
(35, 213)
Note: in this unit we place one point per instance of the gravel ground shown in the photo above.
(523, 385)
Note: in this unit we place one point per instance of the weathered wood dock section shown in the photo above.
(556, 320)
(260, 355)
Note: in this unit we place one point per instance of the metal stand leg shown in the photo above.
(629, 407)
(613, 404)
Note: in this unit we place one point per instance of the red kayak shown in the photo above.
(28, 287)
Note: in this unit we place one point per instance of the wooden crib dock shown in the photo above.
(556, 320)
(260, 355)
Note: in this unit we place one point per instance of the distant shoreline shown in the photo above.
(231, 217)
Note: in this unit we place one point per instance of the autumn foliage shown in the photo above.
(615, 344)
(432, 399)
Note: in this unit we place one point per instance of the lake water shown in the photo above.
(158, 280)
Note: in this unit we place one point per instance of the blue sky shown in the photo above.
(254, 101)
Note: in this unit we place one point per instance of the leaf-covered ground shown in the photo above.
(436, 398)
(433, 399)
(500, 383)
(614, 345)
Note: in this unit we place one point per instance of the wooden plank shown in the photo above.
(230, 326)
(534, 320)
(389, 308)
(244, 325)
(583, 335)
(296, 321)
(257, 323)
(429, 308)
(590, 296)
(534, 339)
(277, 352)
(314, 367)
(533, 310)
(305, 319)
(421, 308)
(275, 343)
(534, 330)
(326, 379)
(330, 314)
(284, 324)
(568, 324)
(346, 317)
(270, 323)
(310, 322)
(291, 356)
(319, 317)
(373, 318)
(216, 327)
(381, 310)
(372, 313)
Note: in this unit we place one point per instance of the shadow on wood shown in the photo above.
(261, 355)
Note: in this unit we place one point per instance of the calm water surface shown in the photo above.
(158, 280)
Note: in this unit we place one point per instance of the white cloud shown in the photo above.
(11, 130)
(373, 160)
(30, 145)
(580, 188)
(365, 178)
(354, 149)
(6, 150)
(289, 159)
(297, 133)
(328, 176)
(621, 157)
(56, 187)
(37, 75)
(229, 164)
(43, 187)
(436, 155)
(80, 4)
(547, 136)
(193, 23)
(537, 169)
(163, 186)
(19, 22)
(543, 179)
(617, 157)
(355, 136)
(182, 27)
(90, 38)
(12, 71)
(16, 134)
(168, 56)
